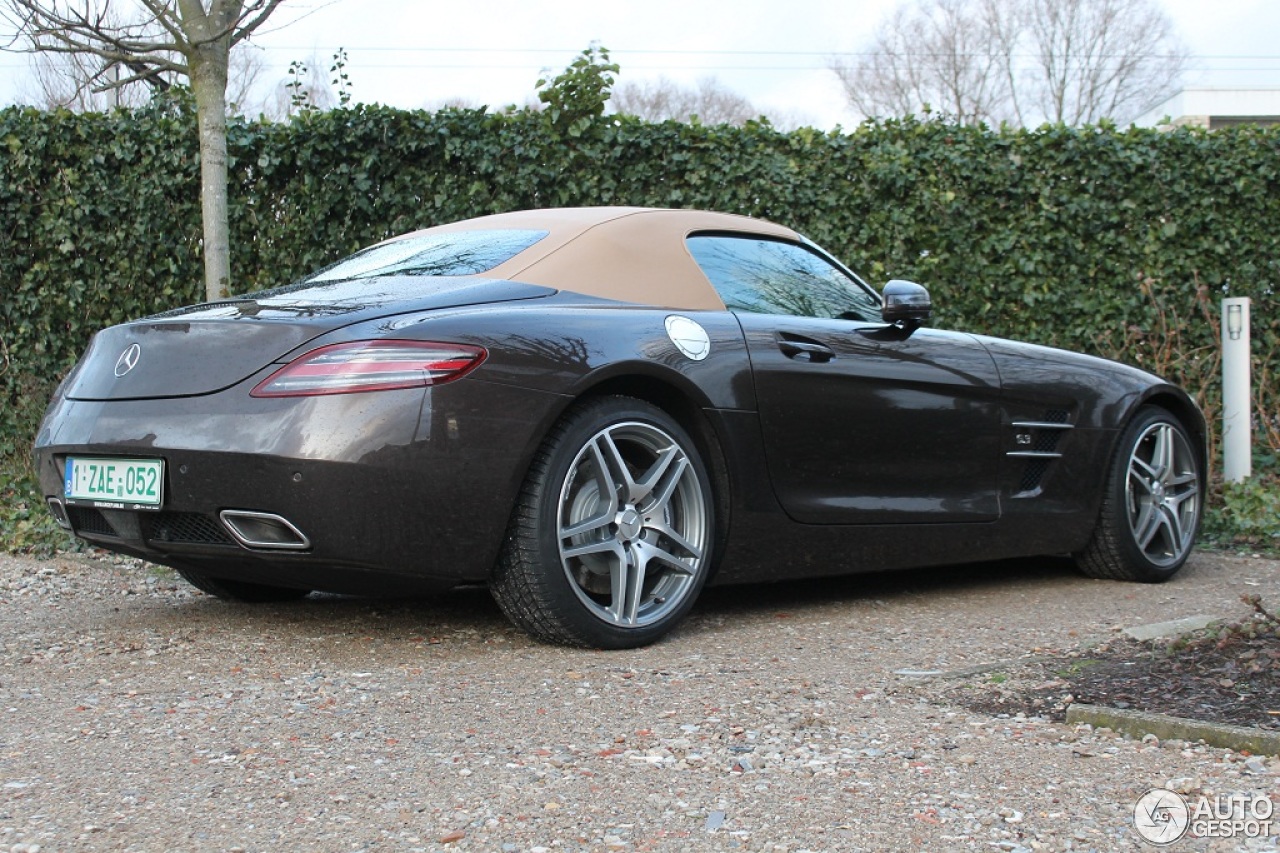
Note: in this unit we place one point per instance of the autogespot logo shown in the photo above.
(128, 359)
(1161, 816)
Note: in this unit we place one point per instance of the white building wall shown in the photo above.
(1201, 107)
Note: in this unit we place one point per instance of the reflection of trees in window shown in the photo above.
(457, 253)
(772, 277)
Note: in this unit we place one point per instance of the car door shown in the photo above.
(863, 422)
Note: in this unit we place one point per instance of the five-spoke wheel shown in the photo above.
(1152, 503)
(610, 542)
(1162, 494)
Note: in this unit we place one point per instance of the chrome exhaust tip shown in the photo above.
(59, 513)
(263, 530)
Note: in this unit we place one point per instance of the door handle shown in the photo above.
(806, 351)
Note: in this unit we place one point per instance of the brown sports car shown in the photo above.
(596, 412)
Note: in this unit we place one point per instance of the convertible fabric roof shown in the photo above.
(631, 254)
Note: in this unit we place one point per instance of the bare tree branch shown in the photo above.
(1096, 59)
(164, 17)
(938, 56)
(1071, 61)
(245, 67)
(664, 99)
(263, 9)
(141, 74)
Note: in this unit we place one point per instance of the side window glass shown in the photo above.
(765, 276)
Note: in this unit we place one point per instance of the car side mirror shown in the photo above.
(906, 302)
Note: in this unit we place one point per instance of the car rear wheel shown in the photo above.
(1152, 504)
(611, 538)
(240, 590)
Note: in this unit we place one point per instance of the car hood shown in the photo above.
(205, 348)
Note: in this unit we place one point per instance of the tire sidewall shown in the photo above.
(1122, 529)
(580, 426)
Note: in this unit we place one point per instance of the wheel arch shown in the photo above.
(1181, 406)
(685, 403)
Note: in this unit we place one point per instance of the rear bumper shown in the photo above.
(356, 522)
(385, 491)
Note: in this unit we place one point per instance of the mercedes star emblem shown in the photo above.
(128, 359)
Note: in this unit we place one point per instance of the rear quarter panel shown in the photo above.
(545, 354)
(568, 343)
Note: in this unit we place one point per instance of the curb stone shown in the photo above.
(1139, 723)
(983, 668)
(1130, 722)
(1152, 631)
(1177, 627)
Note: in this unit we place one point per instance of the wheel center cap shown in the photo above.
(1157, 490)
(629, 524)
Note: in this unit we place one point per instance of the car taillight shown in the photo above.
(371, 366)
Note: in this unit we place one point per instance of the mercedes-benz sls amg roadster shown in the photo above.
(596, 412)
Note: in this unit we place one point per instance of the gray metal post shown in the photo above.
(1237, 404)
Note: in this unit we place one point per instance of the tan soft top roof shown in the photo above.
(632, 254)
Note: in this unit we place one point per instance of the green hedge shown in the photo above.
(1119, 242)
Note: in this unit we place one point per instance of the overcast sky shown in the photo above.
(413, 53)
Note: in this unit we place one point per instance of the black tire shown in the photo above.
(1152, 503)
(617, 492)
(229, 590)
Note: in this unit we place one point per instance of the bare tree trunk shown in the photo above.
(208, 34)
(209, 83)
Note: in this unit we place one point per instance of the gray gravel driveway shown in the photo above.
(140, 715)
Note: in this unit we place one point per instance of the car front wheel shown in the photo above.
(1152, 504)
(611, 538)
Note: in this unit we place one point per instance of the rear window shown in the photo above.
(450, 253)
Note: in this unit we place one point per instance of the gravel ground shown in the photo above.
(139, 714)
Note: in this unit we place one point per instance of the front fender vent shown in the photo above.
(1032, 474)
(1039, 444)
